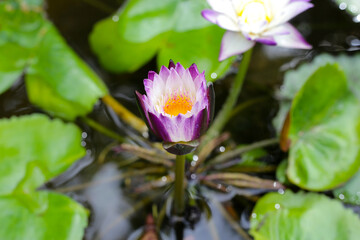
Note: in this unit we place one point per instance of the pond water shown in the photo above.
(116, 213)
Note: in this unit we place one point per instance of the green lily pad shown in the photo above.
(281, 172)
(34, 149)
(173, 29)
(302, 216)
(57, 80)
(350, 191)
(295, 79)
(59, 219)
(324, 132)
(35, 142)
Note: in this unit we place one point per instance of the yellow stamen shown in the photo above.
(178, 103)
(255, 10)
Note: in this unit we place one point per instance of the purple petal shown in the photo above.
(159, 127)
(224, 21)
(171, 64)
(279, 30)
(291, 40)
(164, 72)
(267, 40)
(234, 43)
(200, 81)
(143, 109)
(148, 85)
(151, 75)
(193, 71)
(180, 69)
(199, 124)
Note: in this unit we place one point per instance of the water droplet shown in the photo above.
(222, 149)
(115, 18)
(253, 215)
(145, 134)
(343, 6)
(275, 184)
(164, 178)
(281, 191)
(84, 135)
(88, 151)
(357, 19)
(193, 163)
(193, 176)
(213, 75)
(195, 158)
(277, 206)
(341, 196)
(83, 143)
(228, 189)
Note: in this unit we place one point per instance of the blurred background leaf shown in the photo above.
(57, 80)
(173, 29)
(295, 79)
(324, 132)
(34, 149)
(350, 191)
(302, 216)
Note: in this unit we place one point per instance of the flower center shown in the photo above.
(254, 11)
(178, 103)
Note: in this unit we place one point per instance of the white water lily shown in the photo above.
(251, 21)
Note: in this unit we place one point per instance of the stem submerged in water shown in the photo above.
(179, 195)
(225, 113)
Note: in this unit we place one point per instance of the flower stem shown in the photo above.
(124, 114)
(225, 113)
(179, 199)
(107, 132)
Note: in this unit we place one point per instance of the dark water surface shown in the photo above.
(326, 27)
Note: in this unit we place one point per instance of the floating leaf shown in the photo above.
(61, 218)
(57, 80)
(324, 132)
(35, 141)
(295, 79)
(281, 172)
(172, 28)
(350, 192)
(34, 149)
(302, 216)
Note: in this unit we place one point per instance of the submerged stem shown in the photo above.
(124, 114)
(100, 128)
(179, 198)
(225, 113)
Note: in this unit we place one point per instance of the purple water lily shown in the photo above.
(178, 106)
(251, 21)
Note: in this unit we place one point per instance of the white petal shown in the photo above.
(289, 11)
(234, 43)
(278, 6)
(224, 21)
(223, 6)
(291, 40)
